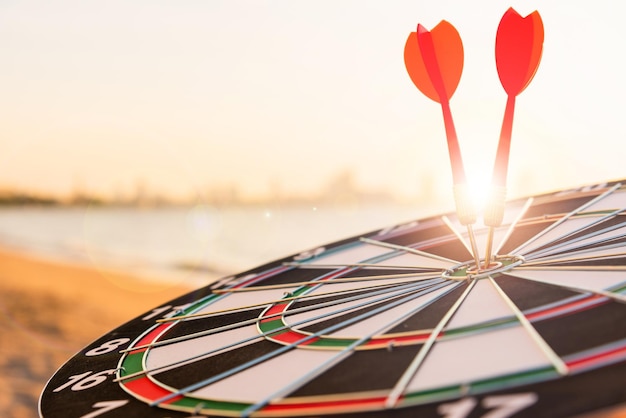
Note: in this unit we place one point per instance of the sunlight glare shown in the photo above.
(479, 182)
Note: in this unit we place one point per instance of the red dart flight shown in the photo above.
(434, 61)
(519, 45)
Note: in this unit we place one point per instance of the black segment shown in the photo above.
(362, 371)
(527, 294)
(430, 316)
(204, 369)
(452, 249)
(447, 245)
(422, 235)
(312, 302)
(368, 272)
(583, 330)
(555, 207)
(202, 324)
(523, 233)
(292, 276)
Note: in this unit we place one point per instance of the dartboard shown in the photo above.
(399, 322)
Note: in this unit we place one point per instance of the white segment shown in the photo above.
(329, 311)
(612, 202)
(587, 254)
(616, 233)
(183, 350)
(479, 356)
(337, 285)
(356, 254)
(590, 280)
(482, 304)
(409, 259)
(567, 227)
(388, 319)
(242, 299)
(258, 382)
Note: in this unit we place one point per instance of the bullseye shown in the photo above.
(469, 270)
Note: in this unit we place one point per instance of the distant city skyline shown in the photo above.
(342, 190)
(259, 96)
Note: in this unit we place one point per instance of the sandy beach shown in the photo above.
(49, 311)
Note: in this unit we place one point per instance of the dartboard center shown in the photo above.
(469, 270)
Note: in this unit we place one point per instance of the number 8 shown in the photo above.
(107, 347)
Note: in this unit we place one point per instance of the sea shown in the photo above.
(197, 244)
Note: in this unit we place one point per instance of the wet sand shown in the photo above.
(49, 311)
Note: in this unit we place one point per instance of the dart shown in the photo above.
(434, 61)
(519, 45)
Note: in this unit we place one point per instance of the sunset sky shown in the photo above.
(186, 96)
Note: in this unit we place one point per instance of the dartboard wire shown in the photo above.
(571, 268)
(555, 260)
(423, 276)
(544, 250)
(580, 251)
(431, 287)
(556, 361)
(513, 225)
(407, 249)
(468, 247)
(342, 270)
(559, 251)
(302, 380)
(564, 218)
(614, 296)
(400, 289)
(285, 348)
(260, 336)
(359, 265)
(295, 298)
(405, 379)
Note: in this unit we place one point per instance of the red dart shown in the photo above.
(519, 45)
(434, 61)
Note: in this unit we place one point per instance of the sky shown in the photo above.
(187, 96)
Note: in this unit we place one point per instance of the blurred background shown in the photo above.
(179, 142)
(230, 114)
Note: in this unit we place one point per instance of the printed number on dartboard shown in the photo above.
(503, 406)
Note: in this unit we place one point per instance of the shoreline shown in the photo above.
(50, 310)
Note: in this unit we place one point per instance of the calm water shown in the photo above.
(167, 242)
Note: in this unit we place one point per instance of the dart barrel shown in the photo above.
(464, 205)
(494, 211)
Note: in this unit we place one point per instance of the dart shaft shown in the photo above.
(456, 161)
(500, 168)
(489, 248)
(470, 232)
